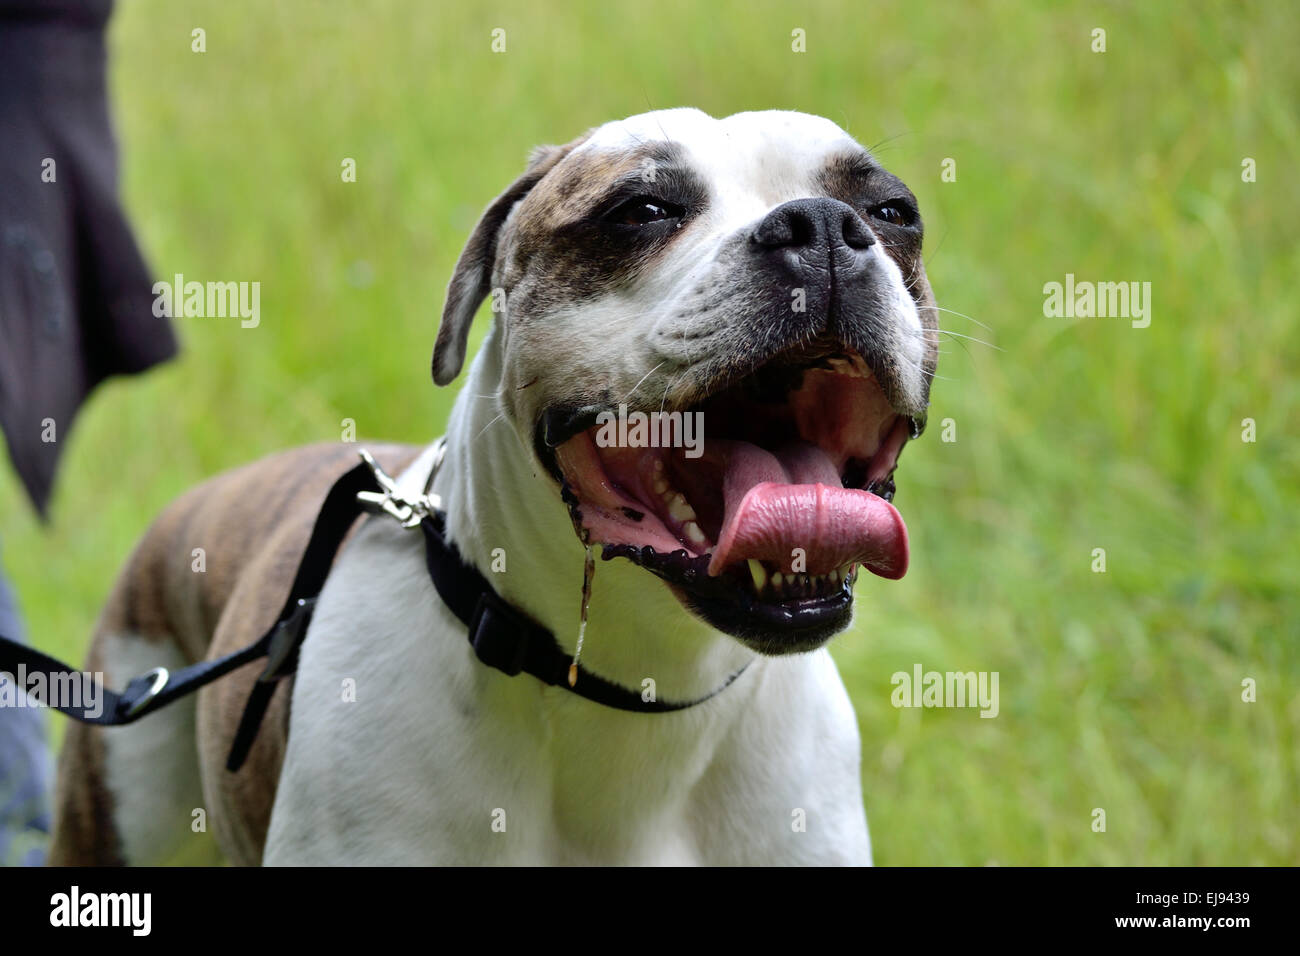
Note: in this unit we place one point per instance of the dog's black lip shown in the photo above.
(558, 424)
(729, 606)
(915, 426)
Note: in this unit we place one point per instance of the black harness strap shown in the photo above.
(282, 641)
(513, 643)
(501, 636)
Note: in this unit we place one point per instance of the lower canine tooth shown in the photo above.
(758, 574)
(694, 534)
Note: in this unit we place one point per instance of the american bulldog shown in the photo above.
(760, 272)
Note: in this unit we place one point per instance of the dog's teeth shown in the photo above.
(777, 581)
(758, 574)
(679, 509)
(694, 534)
(835, 576)
(658, 479)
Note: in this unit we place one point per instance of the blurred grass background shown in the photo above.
(1119, 690)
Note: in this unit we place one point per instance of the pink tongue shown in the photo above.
(775, 503)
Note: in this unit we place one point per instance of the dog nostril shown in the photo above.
(857, 234)
(785, 227)
(807, 222)
(775, 232)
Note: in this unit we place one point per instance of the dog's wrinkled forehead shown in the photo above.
(765, 154)
(740, 166)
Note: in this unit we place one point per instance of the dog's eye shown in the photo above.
(895, 213)
(643, 210)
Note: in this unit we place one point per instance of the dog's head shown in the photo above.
(757, 277)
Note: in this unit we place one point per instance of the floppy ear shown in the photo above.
(473, 273)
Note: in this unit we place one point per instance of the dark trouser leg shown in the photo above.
(24, 761)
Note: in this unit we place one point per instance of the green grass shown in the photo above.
(1119, 690)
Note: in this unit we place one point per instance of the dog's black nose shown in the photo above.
(813, 223)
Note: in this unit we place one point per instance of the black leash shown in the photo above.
(502, 636)
(279, 645)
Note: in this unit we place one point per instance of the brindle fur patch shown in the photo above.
(253, 524)
(856, 179)
(561, 252)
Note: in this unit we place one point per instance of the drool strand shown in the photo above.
(588, 572)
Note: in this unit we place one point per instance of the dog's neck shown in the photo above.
(503, 510)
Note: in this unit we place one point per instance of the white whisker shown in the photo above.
(643, 378)
(958, 335)
(489, 425)
(963, 315)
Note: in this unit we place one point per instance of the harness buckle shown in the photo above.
(287, 637)
(499, 641)
(158, 678)
(408, 512)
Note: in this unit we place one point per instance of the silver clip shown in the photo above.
(408, 512)
(159, 677)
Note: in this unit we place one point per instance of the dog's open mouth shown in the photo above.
(761, 523)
